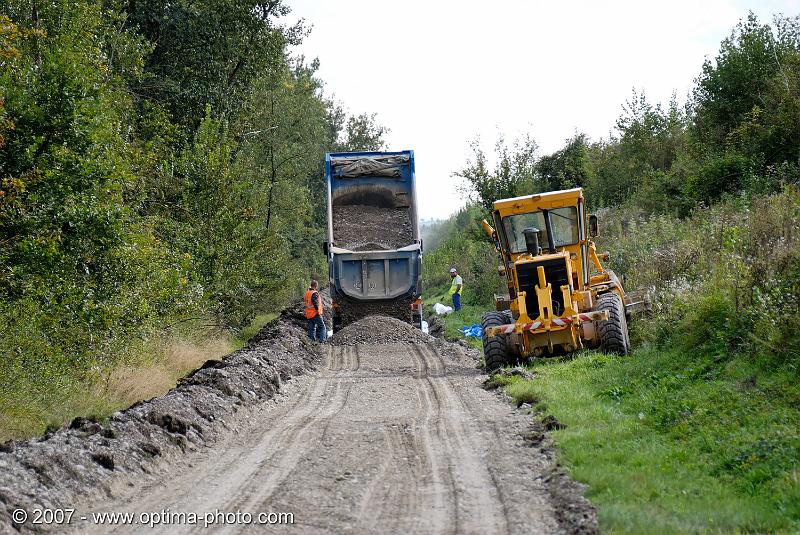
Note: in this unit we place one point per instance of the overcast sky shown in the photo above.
(439, 73)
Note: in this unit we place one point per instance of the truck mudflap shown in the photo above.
(541, 326)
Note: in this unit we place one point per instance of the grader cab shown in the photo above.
(560, 298)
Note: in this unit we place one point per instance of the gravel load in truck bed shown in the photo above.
(399, 308)
(361, 227)
(379, 330)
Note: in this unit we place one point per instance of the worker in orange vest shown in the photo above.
(316, 325)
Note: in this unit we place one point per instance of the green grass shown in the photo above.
(670, 442)
(453, 322)
(34, 400)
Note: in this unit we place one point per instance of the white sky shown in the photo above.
(439, 73)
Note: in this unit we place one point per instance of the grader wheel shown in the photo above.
(614, 336)
(495, 351)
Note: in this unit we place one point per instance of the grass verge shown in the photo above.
(453, 322)
(671, 442)
(48, 399)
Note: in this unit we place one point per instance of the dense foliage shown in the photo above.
(159, 161)
(738, 136)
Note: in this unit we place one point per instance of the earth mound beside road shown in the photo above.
(91, 458)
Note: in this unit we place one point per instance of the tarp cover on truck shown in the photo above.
(382, 166)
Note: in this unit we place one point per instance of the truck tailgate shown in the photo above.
(376, 275)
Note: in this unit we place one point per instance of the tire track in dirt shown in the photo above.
(236, 478)
(289, 449)
(277, 440)
(443, 515)
(390, 499)
(478, 504)
(225, 476)
(474, 442)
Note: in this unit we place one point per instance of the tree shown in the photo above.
(736, 82)
(746, 110)
(70, 247)
(567, 167)
(513, 173)
(640, 157)
(61, 164)
(363, 133)
(208, 52)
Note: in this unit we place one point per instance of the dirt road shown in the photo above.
(392, 438)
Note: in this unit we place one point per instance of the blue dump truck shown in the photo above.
(374, 248)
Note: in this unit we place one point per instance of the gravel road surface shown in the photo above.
(385, 430)
(388, 438)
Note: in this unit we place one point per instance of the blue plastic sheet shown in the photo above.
(473, 330)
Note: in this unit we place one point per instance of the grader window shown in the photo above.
(564, 222)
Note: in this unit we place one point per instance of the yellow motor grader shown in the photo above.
(560, 298)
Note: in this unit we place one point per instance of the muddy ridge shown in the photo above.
(360, 227)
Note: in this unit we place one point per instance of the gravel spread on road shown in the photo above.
(359, 227)
(379, 330)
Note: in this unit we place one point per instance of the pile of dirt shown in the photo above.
(89, 458)
(359, 227)
(296, 317)
(379, 330)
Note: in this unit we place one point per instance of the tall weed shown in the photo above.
(727, 276)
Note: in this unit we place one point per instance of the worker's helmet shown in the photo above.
(452, 270)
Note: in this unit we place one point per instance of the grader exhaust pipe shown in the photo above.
(532, 240)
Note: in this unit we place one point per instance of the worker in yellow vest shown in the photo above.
(456, 285)
(313, 303)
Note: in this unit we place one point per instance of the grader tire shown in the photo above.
(495, 352)
(614, 336)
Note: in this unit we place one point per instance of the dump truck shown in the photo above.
(373, 246)
(560, 297)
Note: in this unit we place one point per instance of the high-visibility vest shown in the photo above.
(454, 285)
(311, 310)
